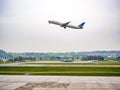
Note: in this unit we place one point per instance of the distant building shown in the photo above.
(66, 59)
(4, 57)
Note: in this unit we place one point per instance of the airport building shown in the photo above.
(4, 57)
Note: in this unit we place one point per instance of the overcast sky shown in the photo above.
(24, 25)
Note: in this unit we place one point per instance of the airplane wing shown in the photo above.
(58, 23)
(65, 24)
(54, 22)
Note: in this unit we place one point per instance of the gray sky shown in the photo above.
(24, 25)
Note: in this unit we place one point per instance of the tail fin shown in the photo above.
(81, 25)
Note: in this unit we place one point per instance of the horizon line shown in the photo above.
(55, 52)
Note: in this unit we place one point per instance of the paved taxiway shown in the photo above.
(38, 65)
(17, 82)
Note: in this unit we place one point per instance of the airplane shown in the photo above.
(67, 24)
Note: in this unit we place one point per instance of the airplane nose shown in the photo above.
(49, 22)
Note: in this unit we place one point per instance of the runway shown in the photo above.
(52, 65)
(25, 82)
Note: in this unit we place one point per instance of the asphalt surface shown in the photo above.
(17, 82)
(37, 65)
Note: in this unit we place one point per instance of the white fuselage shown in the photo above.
(68, 25)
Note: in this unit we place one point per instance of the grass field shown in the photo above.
(74, 63)
(71, 70)
(87, 71)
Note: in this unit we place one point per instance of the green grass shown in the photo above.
(75, 63)
(99, 68)
(59, 70)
